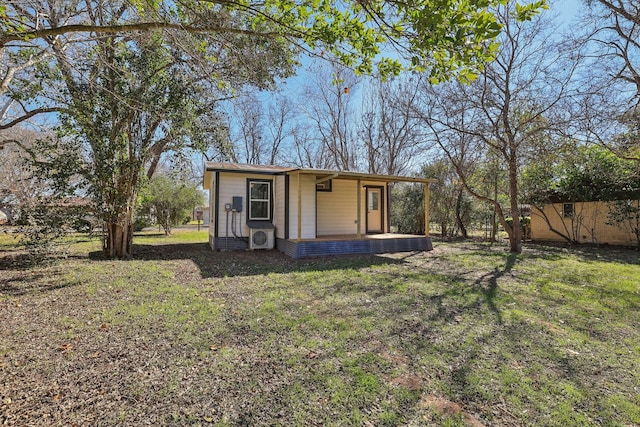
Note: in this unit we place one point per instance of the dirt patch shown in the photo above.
(410, 382)
(447, 408)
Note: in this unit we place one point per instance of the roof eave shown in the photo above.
(273, 170)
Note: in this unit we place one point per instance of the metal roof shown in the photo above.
(320, 173)
(240, 167)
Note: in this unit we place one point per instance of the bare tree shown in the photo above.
(329, 106)
(16, 79)
(260, 137)
(514, 105)
(390, 132)
(617, 33)
(18, 186)
(281, 124)
(306, 152)
(248, 116)
(611, 80)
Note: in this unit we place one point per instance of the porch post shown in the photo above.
(426, 209)
(387, 211)
(359, 208)
(299, 207)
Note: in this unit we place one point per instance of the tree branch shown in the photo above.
(111, 29)
(28, 115)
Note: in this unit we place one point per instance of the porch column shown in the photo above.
(426, 209)
(387, 211)
(299, 208)
(358, 208)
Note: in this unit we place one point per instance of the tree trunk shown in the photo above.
(119, 239)
(494, 220)
(515, 232)
(494, 225)
(463, 229)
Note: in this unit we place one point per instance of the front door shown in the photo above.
(374, 210)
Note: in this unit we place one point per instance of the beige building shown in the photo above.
(582, 222)
(304, 212)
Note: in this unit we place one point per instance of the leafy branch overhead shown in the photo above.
(135, 81)
(445, 37)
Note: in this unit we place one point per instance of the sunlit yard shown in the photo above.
(465, 335)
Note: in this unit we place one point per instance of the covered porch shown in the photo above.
(352, 204)
(352, 244)
(307, 212)
(350, 215)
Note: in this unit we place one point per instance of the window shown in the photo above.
(567, 210)
(373, 200)
(323, 186)
(260, 200)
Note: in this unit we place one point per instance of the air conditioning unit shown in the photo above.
(261, 238)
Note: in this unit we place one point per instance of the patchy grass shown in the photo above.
(466, 335)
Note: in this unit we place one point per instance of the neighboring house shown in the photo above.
(584, 222)
(204, 214)
(304, 212)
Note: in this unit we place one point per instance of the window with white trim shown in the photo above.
(259, 200)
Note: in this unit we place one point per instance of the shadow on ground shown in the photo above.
(247, 263)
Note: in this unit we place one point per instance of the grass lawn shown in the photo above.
(465, 335)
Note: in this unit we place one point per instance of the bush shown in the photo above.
(407, 208)
(141, 221)
(44, 226)
(82, 225)
(525, 226)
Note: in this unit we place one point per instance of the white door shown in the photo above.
(374, 210)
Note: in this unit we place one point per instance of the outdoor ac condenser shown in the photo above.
(261, 238)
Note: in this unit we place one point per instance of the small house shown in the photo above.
(305, 212)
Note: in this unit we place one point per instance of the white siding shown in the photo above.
(335, 212)
(278, 211)
(308, 186)
(338, 209)
(235, 184)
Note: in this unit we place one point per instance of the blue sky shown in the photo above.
(566, 8)
(566, 11)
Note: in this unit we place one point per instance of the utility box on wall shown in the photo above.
(237, 203)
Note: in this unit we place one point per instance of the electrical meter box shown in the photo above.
(237, 203)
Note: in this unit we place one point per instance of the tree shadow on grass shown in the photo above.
(20, 274)
(247, 263)
(488, 284)
(586, 252)
(17, 286)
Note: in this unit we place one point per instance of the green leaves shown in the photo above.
(584, 174)
(528, 11)
(450, 38)
(170, 201)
